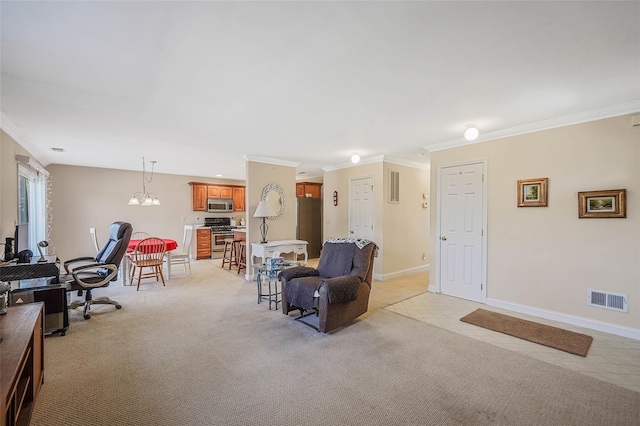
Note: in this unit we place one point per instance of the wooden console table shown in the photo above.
(22, 360)
(283, 246)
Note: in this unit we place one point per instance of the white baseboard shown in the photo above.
(618, 330)
(383, 277)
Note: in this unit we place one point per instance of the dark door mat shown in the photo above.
(557, 338)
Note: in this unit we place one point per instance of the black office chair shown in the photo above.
(86, 273)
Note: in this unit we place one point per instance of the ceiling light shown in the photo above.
(471, 133)
(355, 158)
(145, 198)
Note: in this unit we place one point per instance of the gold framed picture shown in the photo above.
(532, 192)
(611, 203)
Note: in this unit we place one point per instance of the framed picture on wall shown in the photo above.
(532, 192)
(602, 204)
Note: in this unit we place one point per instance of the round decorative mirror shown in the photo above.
(275, 196)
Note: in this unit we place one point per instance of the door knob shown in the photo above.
(443, 238)
(351, 232)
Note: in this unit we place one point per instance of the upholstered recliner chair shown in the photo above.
(337, 292)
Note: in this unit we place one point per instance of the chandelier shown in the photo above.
(145, 198)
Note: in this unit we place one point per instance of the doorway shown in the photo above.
(361, 208)
(461, 224)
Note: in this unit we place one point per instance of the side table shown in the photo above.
(270, 278)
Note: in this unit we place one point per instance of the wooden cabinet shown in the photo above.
(238, 199)
(22, 360)
(203, 243)
(199, 197)
(313, 188)
(201, 192)
(219, 191)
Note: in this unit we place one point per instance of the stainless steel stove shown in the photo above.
(221, 229)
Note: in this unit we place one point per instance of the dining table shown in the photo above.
(126, 260)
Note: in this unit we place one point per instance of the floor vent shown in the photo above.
(608, 300)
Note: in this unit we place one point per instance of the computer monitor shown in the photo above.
(21, 241)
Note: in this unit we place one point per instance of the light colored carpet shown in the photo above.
(201, 351)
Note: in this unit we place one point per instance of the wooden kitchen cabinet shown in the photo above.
(203, 243)
(238, 199)
(199, 197)
(201, 192)
(219, 191)
(313, 188)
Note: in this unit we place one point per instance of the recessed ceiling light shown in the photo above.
(218, 175)
(471, 133)
(355, 158)
(54, 149)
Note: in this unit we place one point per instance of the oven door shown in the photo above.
(217, 243)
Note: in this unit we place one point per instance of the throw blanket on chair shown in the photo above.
(359, 242)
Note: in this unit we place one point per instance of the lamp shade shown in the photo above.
(265, 210)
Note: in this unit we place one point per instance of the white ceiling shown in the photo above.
(198, 85)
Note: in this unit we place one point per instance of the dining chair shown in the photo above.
(183, 257)
(139, 235)
(94, 237)
(148, 253)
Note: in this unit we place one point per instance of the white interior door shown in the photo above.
(461, 231)
(361, 208)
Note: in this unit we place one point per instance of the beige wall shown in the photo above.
(9, 148)
(406, 224)
(400, 230)
(546, 257)
(259, 174)
(85, 197)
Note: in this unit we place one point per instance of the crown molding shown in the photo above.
(267, 160)
(10, 129)
(363, 161)
(568, 120)
(403, 162)
(378, 159)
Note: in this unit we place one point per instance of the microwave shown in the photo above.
(219, 205)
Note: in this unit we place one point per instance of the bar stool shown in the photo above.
(229, 254)
(241, 255)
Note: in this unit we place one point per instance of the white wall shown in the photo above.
(546, 257)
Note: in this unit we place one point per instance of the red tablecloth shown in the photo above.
(171, 244)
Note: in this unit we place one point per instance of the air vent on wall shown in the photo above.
(608, 300)
(394, 186)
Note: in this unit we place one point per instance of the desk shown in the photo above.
(274, 248)
(34, 269)
(171, 245)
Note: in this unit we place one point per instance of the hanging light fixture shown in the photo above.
(145, 198)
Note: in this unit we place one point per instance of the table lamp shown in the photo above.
(264, 211)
